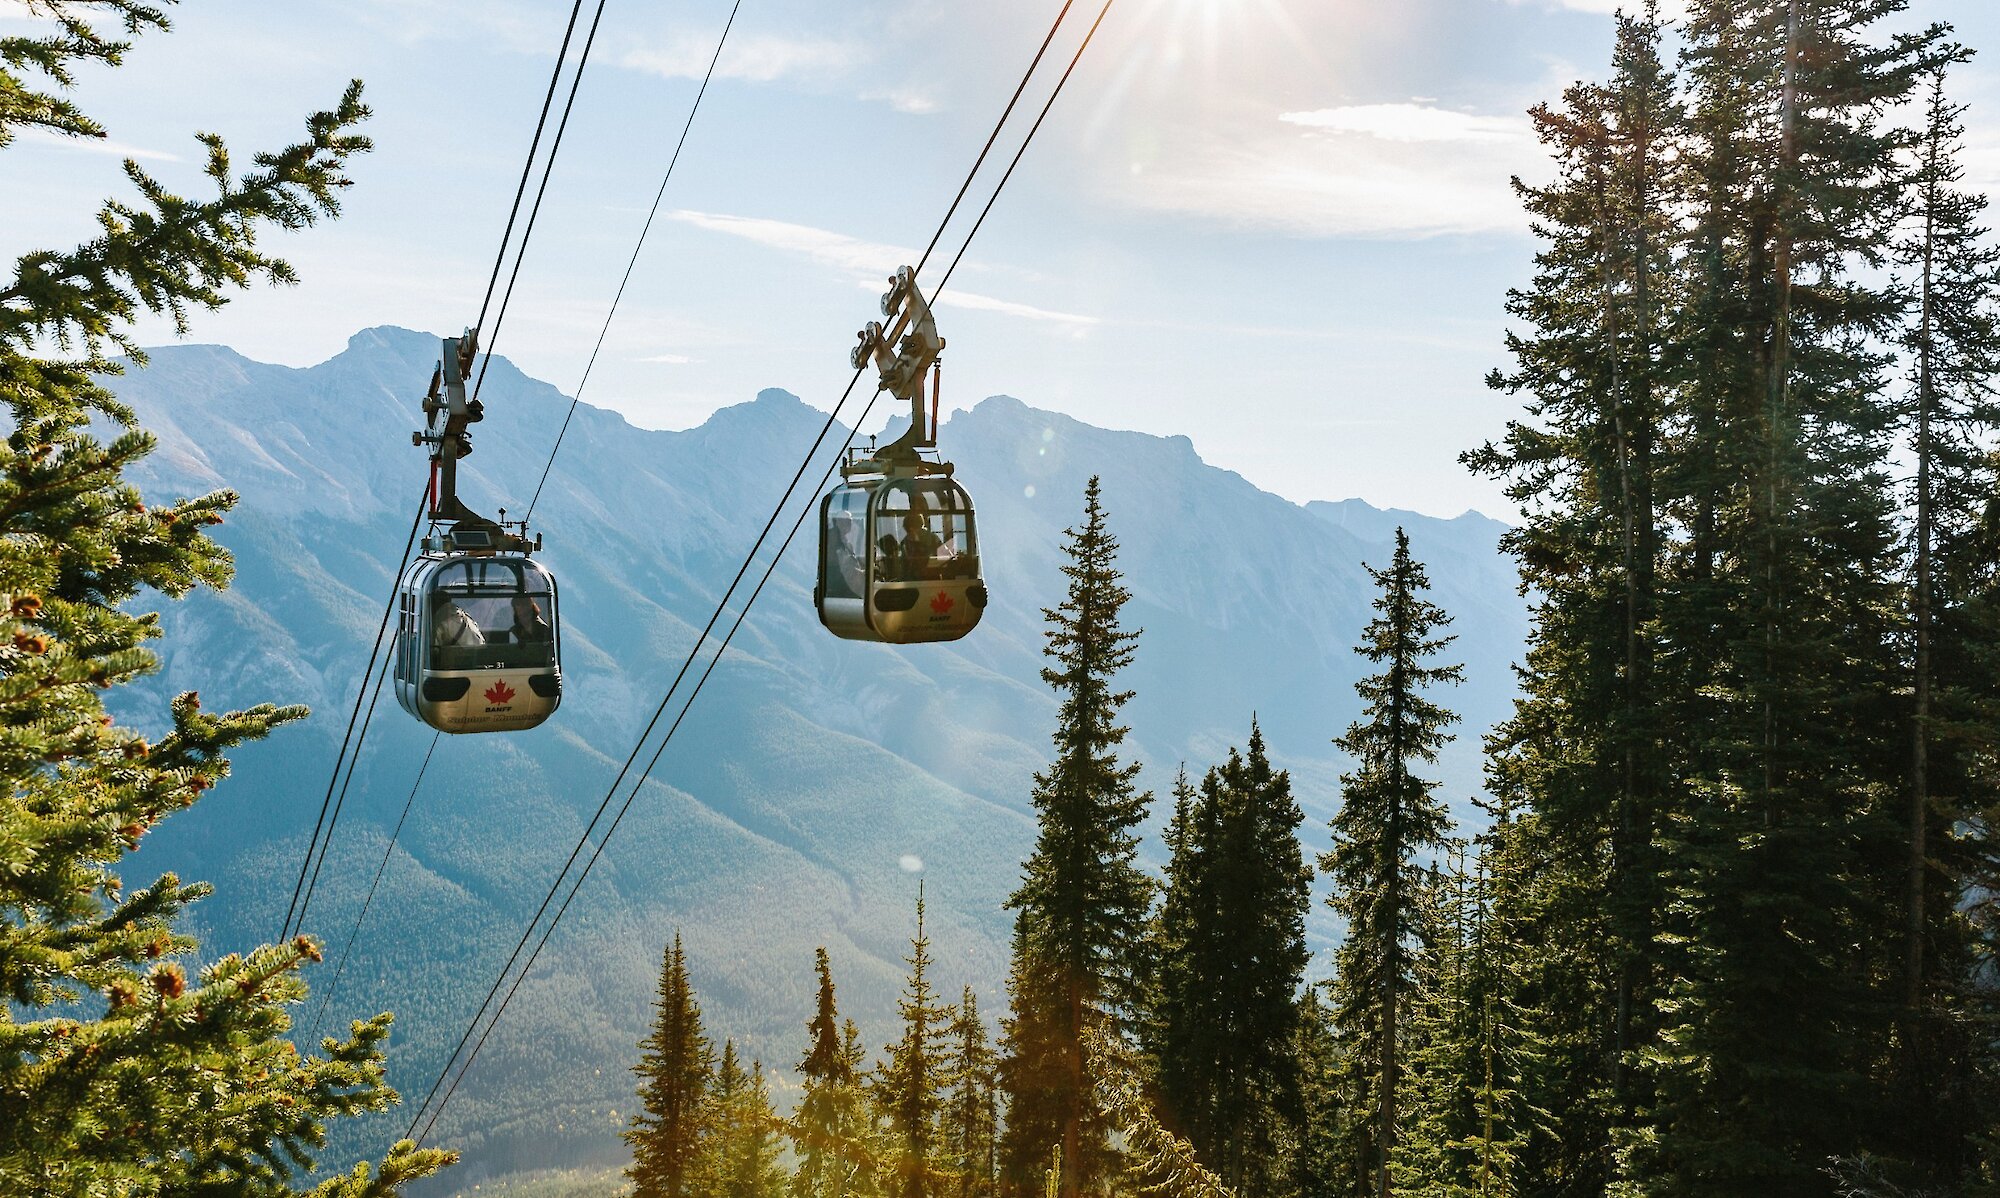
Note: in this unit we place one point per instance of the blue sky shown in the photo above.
(1281, 227)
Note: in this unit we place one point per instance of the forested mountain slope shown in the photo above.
(814, 774)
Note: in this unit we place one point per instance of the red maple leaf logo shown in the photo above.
(941, 603)
(500, 692)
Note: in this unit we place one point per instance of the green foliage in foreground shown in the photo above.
(119, 1072)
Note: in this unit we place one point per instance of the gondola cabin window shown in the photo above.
(923, 531)
(845, 572)
(490, 614)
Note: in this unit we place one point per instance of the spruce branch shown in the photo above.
(1161, 1162)
(170, 255)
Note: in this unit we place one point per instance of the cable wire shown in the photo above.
(633, 261)
(300, 888)
(340, 964)
(541, 189)
(993, 137)
(388, 610)
(598, 849)
(353, 760)
(528, 167)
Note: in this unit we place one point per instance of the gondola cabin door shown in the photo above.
(477, 646)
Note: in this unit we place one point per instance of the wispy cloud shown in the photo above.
(670, 359)
(758, 59)
(912, 100)
(972, 300)
(1411, 122)
(871, 261)
(821, 245)
(1401, 170)
(95, 145)
(1077, 325)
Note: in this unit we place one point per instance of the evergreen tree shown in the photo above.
(120, 1073)
(970, 1128)
(737, 1154)
(907, 1086)
(1081, 906)
(1160, 1164)
(1952, 343)
(1388, 816)
(1784, 850)
(675, 1071)
(831, 1128)
(1585, 753)
(1467, 1125)
(1318, 1167)
(1233, 955)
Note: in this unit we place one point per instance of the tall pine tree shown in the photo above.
(675, 1071)
(1584, 754)
(1232, 957)
(969, 1131)
(1388, 817)
(1784, 846)
(908, 1084)
(832, 1129)
(1952, 351)
(1081, 906)
(120, 1072)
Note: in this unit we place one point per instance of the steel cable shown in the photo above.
(644, 229)
(374, 652)
(598, 849)
(340, 963)
(321, 840)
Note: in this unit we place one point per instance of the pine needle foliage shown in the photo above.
(907, 1088)
(969, 1132)
(833, 1129)
(676, 1070)
(1231, 958)
(119, 1072)
(1388, 818)
(738, 1137)
(1081, 907)
(1158, 1161)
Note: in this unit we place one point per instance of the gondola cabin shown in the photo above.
(899, 561)
(477, 643)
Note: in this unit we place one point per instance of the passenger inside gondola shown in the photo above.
(920, 548)
(453, 627)
(845, 562)
(529, 625)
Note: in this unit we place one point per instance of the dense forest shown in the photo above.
(1729, 929)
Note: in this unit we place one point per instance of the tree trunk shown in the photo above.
(1072, 1134)
(1918, 862)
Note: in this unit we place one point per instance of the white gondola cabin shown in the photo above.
(478, 638)
(477, 646)
(898, 556)
(899, 561)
